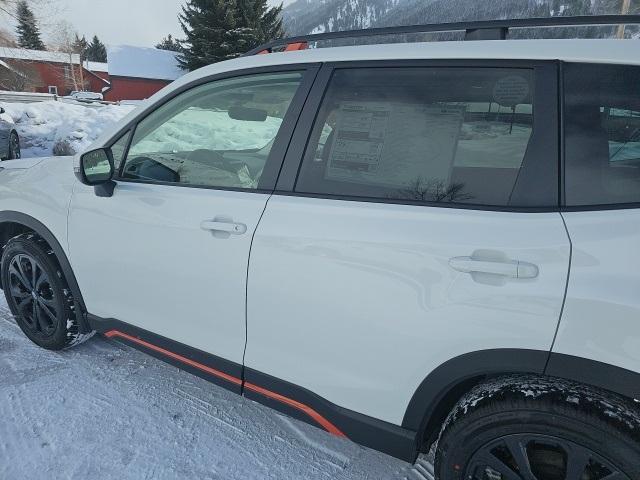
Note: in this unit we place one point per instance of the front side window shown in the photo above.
(217, 135)
(450, 135)
(602, 134)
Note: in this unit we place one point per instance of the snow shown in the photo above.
(41, 125)
(141, 62)
(96, 66)
(104, 410)
(196, 128)
(38, 55)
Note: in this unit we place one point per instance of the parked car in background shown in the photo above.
(86, 96)
(413, 246)
(9, 139)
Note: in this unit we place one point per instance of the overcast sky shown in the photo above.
(131, 22)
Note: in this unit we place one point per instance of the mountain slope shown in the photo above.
(314, 16)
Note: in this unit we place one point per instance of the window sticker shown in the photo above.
(394, 144)
(511, 91)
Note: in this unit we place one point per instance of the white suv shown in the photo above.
(408, 245)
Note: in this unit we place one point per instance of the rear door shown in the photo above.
(168, 252)
(422, 224)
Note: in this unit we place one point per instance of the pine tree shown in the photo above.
(96, 51)
(27, 29)
(262, 23)
(218, 30)
(80, 46)
(169, 43)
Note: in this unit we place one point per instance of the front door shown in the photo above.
(168, 251)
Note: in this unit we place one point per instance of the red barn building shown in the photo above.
(43, 71)
(136, 73)
(96, 76)
(132, 73)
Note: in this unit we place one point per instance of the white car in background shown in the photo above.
(413, 246)
(9, 139)
(86, 96)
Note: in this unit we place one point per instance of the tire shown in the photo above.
(530, 428)
(38, 295)
(14, 146)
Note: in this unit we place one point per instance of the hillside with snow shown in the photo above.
(316, 16)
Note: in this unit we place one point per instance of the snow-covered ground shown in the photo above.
(42, 125)
(104, 410)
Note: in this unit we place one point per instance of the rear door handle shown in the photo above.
(224, 227)
(511, 269)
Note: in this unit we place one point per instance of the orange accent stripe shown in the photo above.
(326, 424)
(175, 356)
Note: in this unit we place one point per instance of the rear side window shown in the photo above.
(602, 134)
(449, 135)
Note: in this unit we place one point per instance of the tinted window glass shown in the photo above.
(602, 134)
(219, 134)
(421, 134)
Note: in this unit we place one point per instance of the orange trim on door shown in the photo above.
(310, 412)
(326, 424)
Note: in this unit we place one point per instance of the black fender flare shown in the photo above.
(39, 228)
(428, 405)
(425, 406)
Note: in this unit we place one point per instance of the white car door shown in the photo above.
(168, 252)
(423, 225)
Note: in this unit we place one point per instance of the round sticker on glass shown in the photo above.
(511, 91)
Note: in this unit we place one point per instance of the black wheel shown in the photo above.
(37, 293)
(14, 146)
(540, 429)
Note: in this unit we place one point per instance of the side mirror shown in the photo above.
(95, 168)
(1, 110)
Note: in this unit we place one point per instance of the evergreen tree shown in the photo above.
(80, 47)
(218, 30)
(169, 43)
(96, 51)
(262, 23)
(27, 29)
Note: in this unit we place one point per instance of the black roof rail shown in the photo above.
(478, 30)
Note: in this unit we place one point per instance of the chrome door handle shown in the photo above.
(224, 227)
(511, 269)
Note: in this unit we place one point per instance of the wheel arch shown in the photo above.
(16, 222)
(441, 390)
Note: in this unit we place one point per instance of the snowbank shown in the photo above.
(43, 125)
(208, 129)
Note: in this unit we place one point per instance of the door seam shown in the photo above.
(564, 297)
(246, 297)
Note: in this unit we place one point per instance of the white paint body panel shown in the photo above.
(40, 188)
(357, 302)
(142, 257)
(601, 318)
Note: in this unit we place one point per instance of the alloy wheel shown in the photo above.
(539, 457)
(33, 295)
